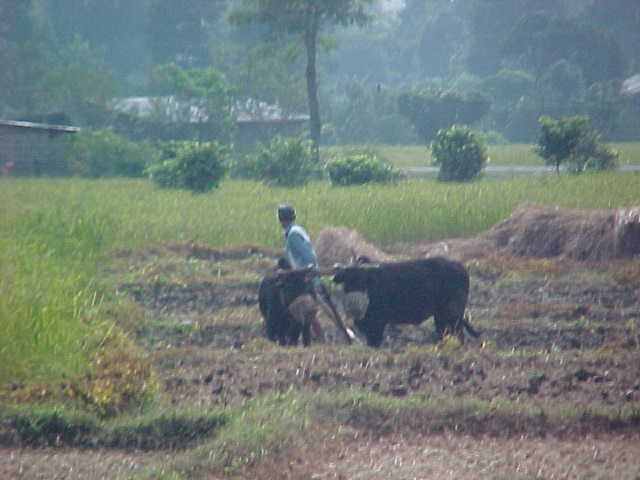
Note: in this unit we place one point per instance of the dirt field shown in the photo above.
(555, 332)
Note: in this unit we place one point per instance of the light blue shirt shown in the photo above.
(297, 245)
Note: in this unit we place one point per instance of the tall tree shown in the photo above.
(179, 30)
(115, 27)
(620, 19)
(78, 81)
(304, 19)
(24, 55)
(491, 21)
(542, 39)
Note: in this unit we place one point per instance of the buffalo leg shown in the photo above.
(304, 311)
(372, 329)
(450, 320)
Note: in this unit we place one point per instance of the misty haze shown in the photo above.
(319, 239)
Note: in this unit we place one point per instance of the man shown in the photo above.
(300, 253)
(297, 244)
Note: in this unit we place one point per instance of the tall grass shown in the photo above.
(48, 301)
(56, 236)
(94, 217)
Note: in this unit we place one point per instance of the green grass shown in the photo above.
(57, 235)
(50, 425)
(48, 302)
(110, 214)
(515, 154)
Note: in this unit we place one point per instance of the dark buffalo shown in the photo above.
(410, 292)
(287, 305)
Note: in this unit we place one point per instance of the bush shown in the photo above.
(459, 153)
(358, 169)
(572, 140)
(102, 153)
(196, 166)
(284, 162)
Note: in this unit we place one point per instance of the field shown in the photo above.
(516, 154)
(155, 294)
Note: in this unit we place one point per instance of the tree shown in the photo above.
(116, 27)
(620, 19)
(202, 95)
(603, 103)
(542, 39)
(432, 110)
(178, 30)
(24, 55)
(573, 140)
(490, 22)
(79, 81)
(439, 43)
(305, 19)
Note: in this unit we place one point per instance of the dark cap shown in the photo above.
(286, 213)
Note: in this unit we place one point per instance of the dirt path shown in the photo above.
(398, 458)
(53, 463)
(455, 457)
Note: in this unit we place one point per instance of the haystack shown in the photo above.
(342, 245)
(547, 232)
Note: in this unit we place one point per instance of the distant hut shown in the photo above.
(169, 118)
(34, 149)
(258, 122)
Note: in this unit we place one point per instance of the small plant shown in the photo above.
(358, 169)
(102, 153)
(459, 153)
(196, 166)
(284, 162)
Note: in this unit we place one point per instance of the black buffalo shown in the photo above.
(287, 306)
(410, 292)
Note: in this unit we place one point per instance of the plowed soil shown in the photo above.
(554, 332)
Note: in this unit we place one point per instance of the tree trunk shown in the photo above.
(315, 124)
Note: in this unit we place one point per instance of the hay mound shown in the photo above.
(341, 245)
(547, 232)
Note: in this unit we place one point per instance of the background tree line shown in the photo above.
(502, 63)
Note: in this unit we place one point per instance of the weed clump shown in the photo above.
(119, 380)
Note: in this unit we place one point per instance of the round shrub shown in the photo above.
(195, 166)
(358, 169)
(102, 153)
(284, 162)
(459, 153)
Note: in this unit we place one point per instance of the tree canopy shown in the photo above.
(305, 19)
(528, 58)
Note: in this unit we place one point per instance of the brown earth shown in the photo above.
(557, 332)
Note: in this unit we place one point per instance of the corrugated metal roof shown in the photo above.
(631, 85)
(251, 111)
(39, 126)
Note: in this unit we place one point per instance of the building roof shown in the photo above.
(251, 111)
(39, 126)
(631, 85)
